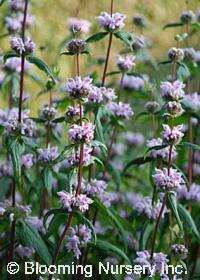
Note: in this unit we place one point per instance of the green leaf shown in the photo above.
(188, 222)
(28, 236)
(113, 73)
(67, 53)
(48, 177)
(195, 26)
(96, 143)
(109, 248)
(98, 125)
(2, 2)
(40, 64)
(15, 148)
(85, 221)
(125, 37)
(137, 161)
(189, 146)
(145, 233)
(38, 120)
(56, 221)
(62, 155)
(172, 203)
(9, 55)
(183, 73)
(175, 24)
(112, 216)
(135, 75)
(54, 211)
(97, 37)
(159, 147)
(165, 62)
(59, 120)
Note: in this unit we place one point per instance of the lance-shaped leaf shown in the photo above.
(188, 145)
(172, 203)
(174, 24)
(125, 37)
(40, 64)
(48, 177)
(137, 161)
(9, 55)
(188, 222)
(97, 37)
(63, 154)
(15, 148)
(28, 236)
(109, 248)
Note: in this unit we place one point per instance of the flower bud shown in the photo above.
(187, 17)
(179, 251)
(152, 107)
(175, 54)
(139, 21)
(76, 46)
(48, 113)
(174, 108)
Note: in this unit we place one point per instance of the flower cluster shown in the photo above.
(72, 114)
(160, 153)
(193, 194)
(179, 251)
(168, 181)
(78, 25)
(73, 160)
(159, 259)
(79, 236)
(120, 110)
(70, 200)
(176, 54)
(78, 88)
(97, 188)
(134, 138)
(48, 155)
(13, 126)
(172, 136)
(172, 91)
(126, 63)
(27, 161)
(111, 22)
(143, 206)
(81, 133)
(17, 44)
(24, 251)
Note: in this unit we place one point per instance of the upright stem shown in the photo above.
(111, 7)
(56, 252)
(22, 64)
(156, 227)
(173, 71)
(13, 226)
(80, 171)
(107, 59)
(120, 87)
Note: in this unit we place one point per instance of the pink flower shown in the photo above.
(81, 133)
(79, 88)
(161, 153)
(78, 25)
(70, 200)
(111, 23)
(126, 63)
(172, 91)
(172, 136)
(120, 110)
(167, 182)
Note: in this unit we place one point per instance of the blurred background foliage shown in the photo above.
(50, 29)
